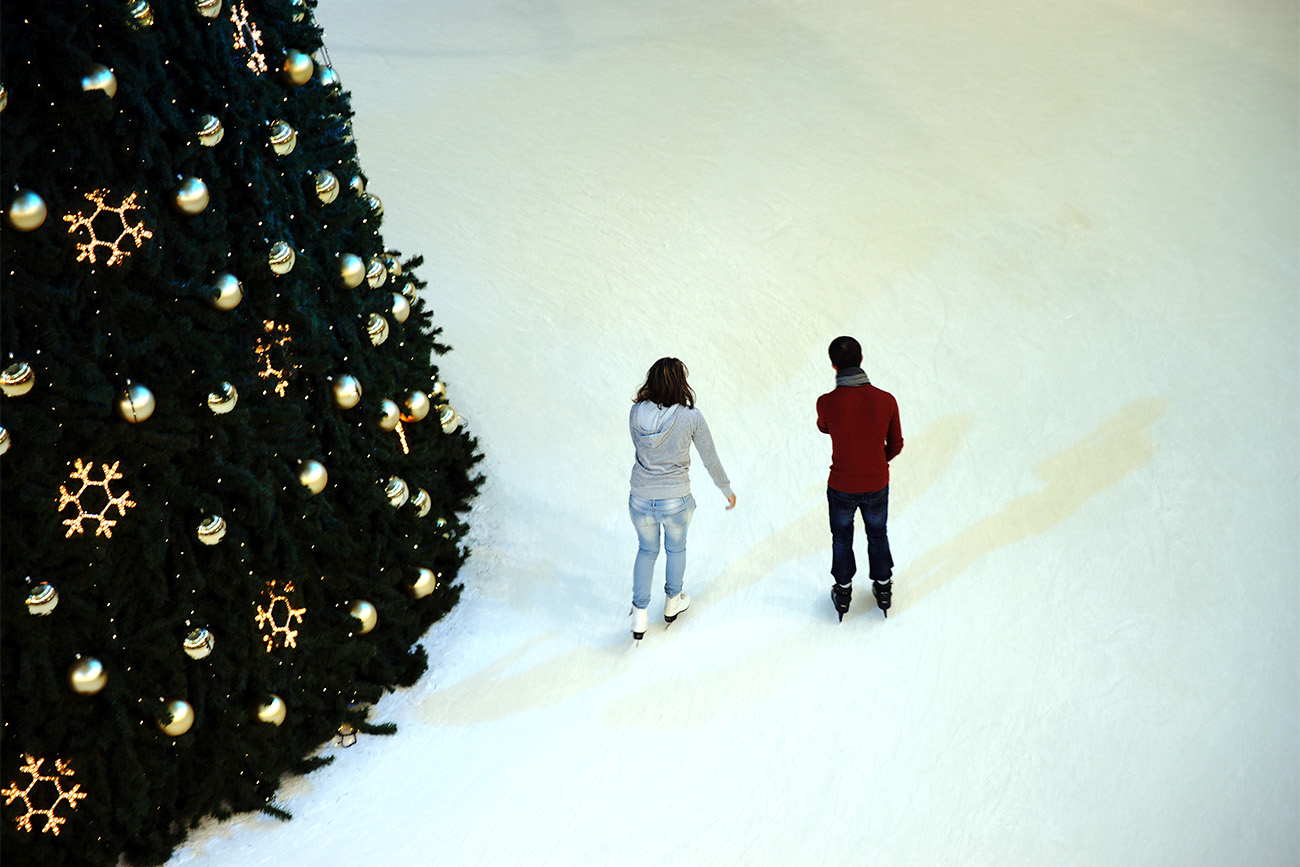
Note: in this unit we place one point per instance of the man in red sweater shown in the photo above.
(865, 436)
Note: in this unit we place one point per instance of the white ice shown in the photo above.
(1068, 236)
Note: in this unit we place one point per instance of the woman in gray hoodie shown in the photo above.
(664, 422)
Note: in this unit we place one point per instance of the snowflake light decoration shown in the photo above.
(266, 347)
(105, 524)
(62, 770)
(248, 39)
(136, 233)
(266, 616)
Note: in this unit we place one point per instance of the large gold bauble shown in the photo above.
(376, 273)
(272, 711)
(177, 718)
(212, 529)
(4, 440)
(208, 8)
(397, 491)
(135, 403)
(141, 14)
(100, 77)
(365, 613)
(191, 196)
(26, 211)
(198, 643)
(227, 291)
(313, 476)
(346, 389)
(281, 257)
(43, 599)
(351, 270)
(448, 418)
(297, 68)
(389, 415)
(327, 187)
(210, 132)
(415, 406)
(377, 328)
(425, 583)
(223, 401)
(87, 676)
(17, 379)
(284, 138)
(401, 307)
(422, 503)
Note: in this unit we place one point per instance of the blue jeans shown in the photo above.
(674, 515)
(875, 512)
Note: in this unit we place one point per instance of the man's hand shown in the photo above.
(731, 502)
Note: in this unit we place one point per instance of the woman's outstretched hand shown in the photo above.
(731, 502)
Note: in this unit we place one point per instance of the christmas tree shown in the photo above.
(231, 479)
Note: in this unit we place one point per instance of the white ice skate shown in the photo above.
(639, 618)
(675, 605)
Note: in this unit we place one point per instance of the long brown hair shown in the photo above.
(665, 384)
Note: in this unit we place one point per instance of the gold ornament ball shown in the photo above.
(4, 440)
(389, 415)
(198, 643)
(327, 187)
(422, 503)
(191, 196)
(299, 8)
(327, 77)
(141, 14)
(284, 138)
(100, 77)
(358, 183)
(210, 132)
(273, 711)
(364, 612)
(425, 583)
(43, 599)
(401, 307)
(376, 206)
(393, 265)
(4, 97)
(346, 389)
(135, 403)
(439, 389)
(177, 718)
(297, 68)
(351, 270)
(281, 257)
(397, 491)
(408, 289)
(209, 8)
(87, 676)
(212, 530)
(415, 406)
(26, 211)
(448, 418)
(313, 476)
(227, 291)
(17, 379)
(377, 328)
(223, 401)
(376, 273)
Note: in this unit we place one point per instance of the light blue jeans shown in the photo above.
(674, 515)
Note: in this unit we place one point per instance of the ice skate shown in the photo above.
(883, 591)
(675, 605)
(640, 616)
(842, 596)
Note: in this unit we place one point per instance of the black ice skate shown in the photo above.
(882, 591)
(841, 596)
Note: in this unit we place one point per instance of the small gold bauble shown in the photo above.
(364, 612)
(208, 8)
(415, 406)
(135, 403)
(376, 273)
(43, 599)
(297, 68)
(210, 131)
(177, 718)
(4, 440)
(227, 291)
(313, 476)
(141, 14)
(327, 187)
(392, 264)
(272, 711)
(26, 211)
(397, 491)
(401, 307)
(284, 138)
(223, 401)
(347, 390)
(17, 379)
(389, 415)
(448, 418)
(425, 583)
(198, 643)
(377, 328)
(327, 77)
(439, 389)
(212, 530)
(299, 8)
(281, 257)
(87, 676)
(408, 289)
(358, 183)
(376, 206)
(4, 97)
(191, 196)
(100, 77)
(351, 270)
(422, 503)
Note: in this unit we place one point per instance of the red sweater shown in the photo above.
(865, 436)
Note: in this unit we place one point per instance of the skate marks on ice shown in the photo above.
(1114, 450)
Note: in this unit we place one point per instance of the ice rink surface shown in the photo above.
(1068, 237)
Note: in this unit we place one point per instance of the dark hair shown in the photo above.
(845, 352)
(665, 384)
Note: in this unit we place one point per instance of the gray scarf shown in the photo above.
(852, 377)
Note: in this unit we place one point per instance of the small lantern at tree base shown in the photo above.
(347, 735)
(87, 676)
(177, 718)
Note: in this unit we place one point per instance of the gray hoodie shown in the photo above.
(662, 436)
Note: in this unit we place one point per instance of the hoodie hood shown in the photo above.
(652, 423)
